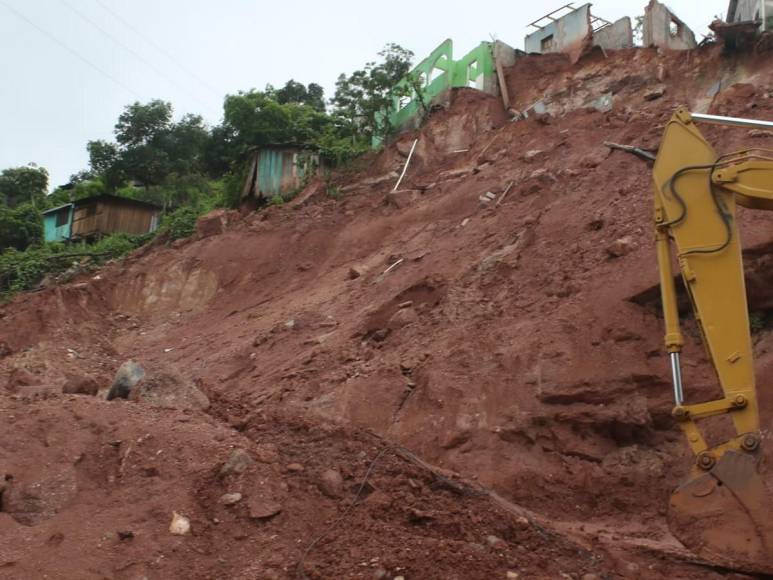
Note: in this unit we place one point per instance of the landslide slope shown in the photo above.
(513, 345)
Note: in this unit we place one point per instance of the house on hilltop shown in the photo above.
(97, 216)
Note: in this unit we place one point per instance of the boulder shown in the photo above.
(129, 374)
(212, 224)
(168, 389)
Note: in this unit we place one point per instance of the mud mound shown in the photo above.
(497, 316)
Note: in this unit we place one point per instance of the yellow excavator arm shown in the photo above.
(721, 511)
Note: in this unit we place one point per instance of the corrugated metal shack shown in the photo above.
(279, 170)
(97, 216)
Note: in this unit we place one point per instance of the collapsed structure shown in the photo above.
(569, 30)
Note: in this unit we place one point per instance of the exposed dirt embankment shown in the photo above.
(512, 344)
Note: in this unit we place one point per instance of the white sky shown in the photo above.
(52, 102)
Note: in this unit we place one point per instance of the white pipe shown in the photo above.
(732, 121)
(405, 168)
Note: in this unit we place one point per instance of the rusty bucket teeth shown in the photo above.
(725, 515)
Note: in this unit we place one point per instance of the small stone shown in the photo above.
(589, 577)
(522, 522)
(532, 155)
(295, 467)
(621, 247)
(655, 93)
(406, 304)
(261, 509)
(512, 575)
(230, 498)
(494, 541)
(180, 525)
(399, 578)
(127, 535)
(331, 483)
(380, 574)
(237, 462)
(354, 273)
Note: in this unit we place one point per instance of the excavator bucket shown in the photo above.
(725, 515)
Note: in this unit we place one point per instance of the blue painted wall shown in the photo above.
(51, 233)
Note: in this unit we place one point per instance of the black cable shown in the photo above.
(718, 204)
(72, 51)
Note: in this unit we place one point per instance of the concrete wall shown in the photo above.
(615, 36)
(746, 10)
(563, 35)
(570, 32)
(659, 22)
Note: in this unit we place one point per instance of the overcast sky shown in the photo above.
(70, 66)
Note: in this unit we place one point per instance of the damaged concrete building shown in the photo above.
(662, 28)
(757, 11)
(572, 30)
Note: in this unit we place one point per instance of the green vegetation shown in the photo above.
(23, 270)
(186, 167)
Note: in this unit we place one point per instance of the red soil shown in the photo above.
(509, 350)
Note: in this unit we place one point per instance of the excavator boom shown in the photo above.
(721, 511)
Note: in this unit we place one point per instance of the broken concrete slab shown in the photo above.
(663, 29)
(576, 31)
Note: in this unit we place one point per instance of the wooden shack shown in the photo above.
(101, 215)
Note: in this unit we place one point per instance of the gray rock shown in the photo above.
(237, 463)
(125, 380)
(166, 388)
(655, 93)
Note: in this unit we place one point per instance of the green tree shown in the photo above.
(140, 123)
(20, 227)
(27, 184)
(361, 96)
(298, 93)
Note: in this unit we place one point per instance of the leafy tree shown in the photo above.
(105, 161)
(141, 123)
(20, 227)
(150, 147)
(26, 184)
(298, 93)
(255, 119)
(360, 96)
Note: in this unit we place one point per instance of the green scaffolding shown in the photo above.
(434, 75)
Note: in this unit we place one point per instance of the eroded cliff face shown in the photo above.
(511, 340)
